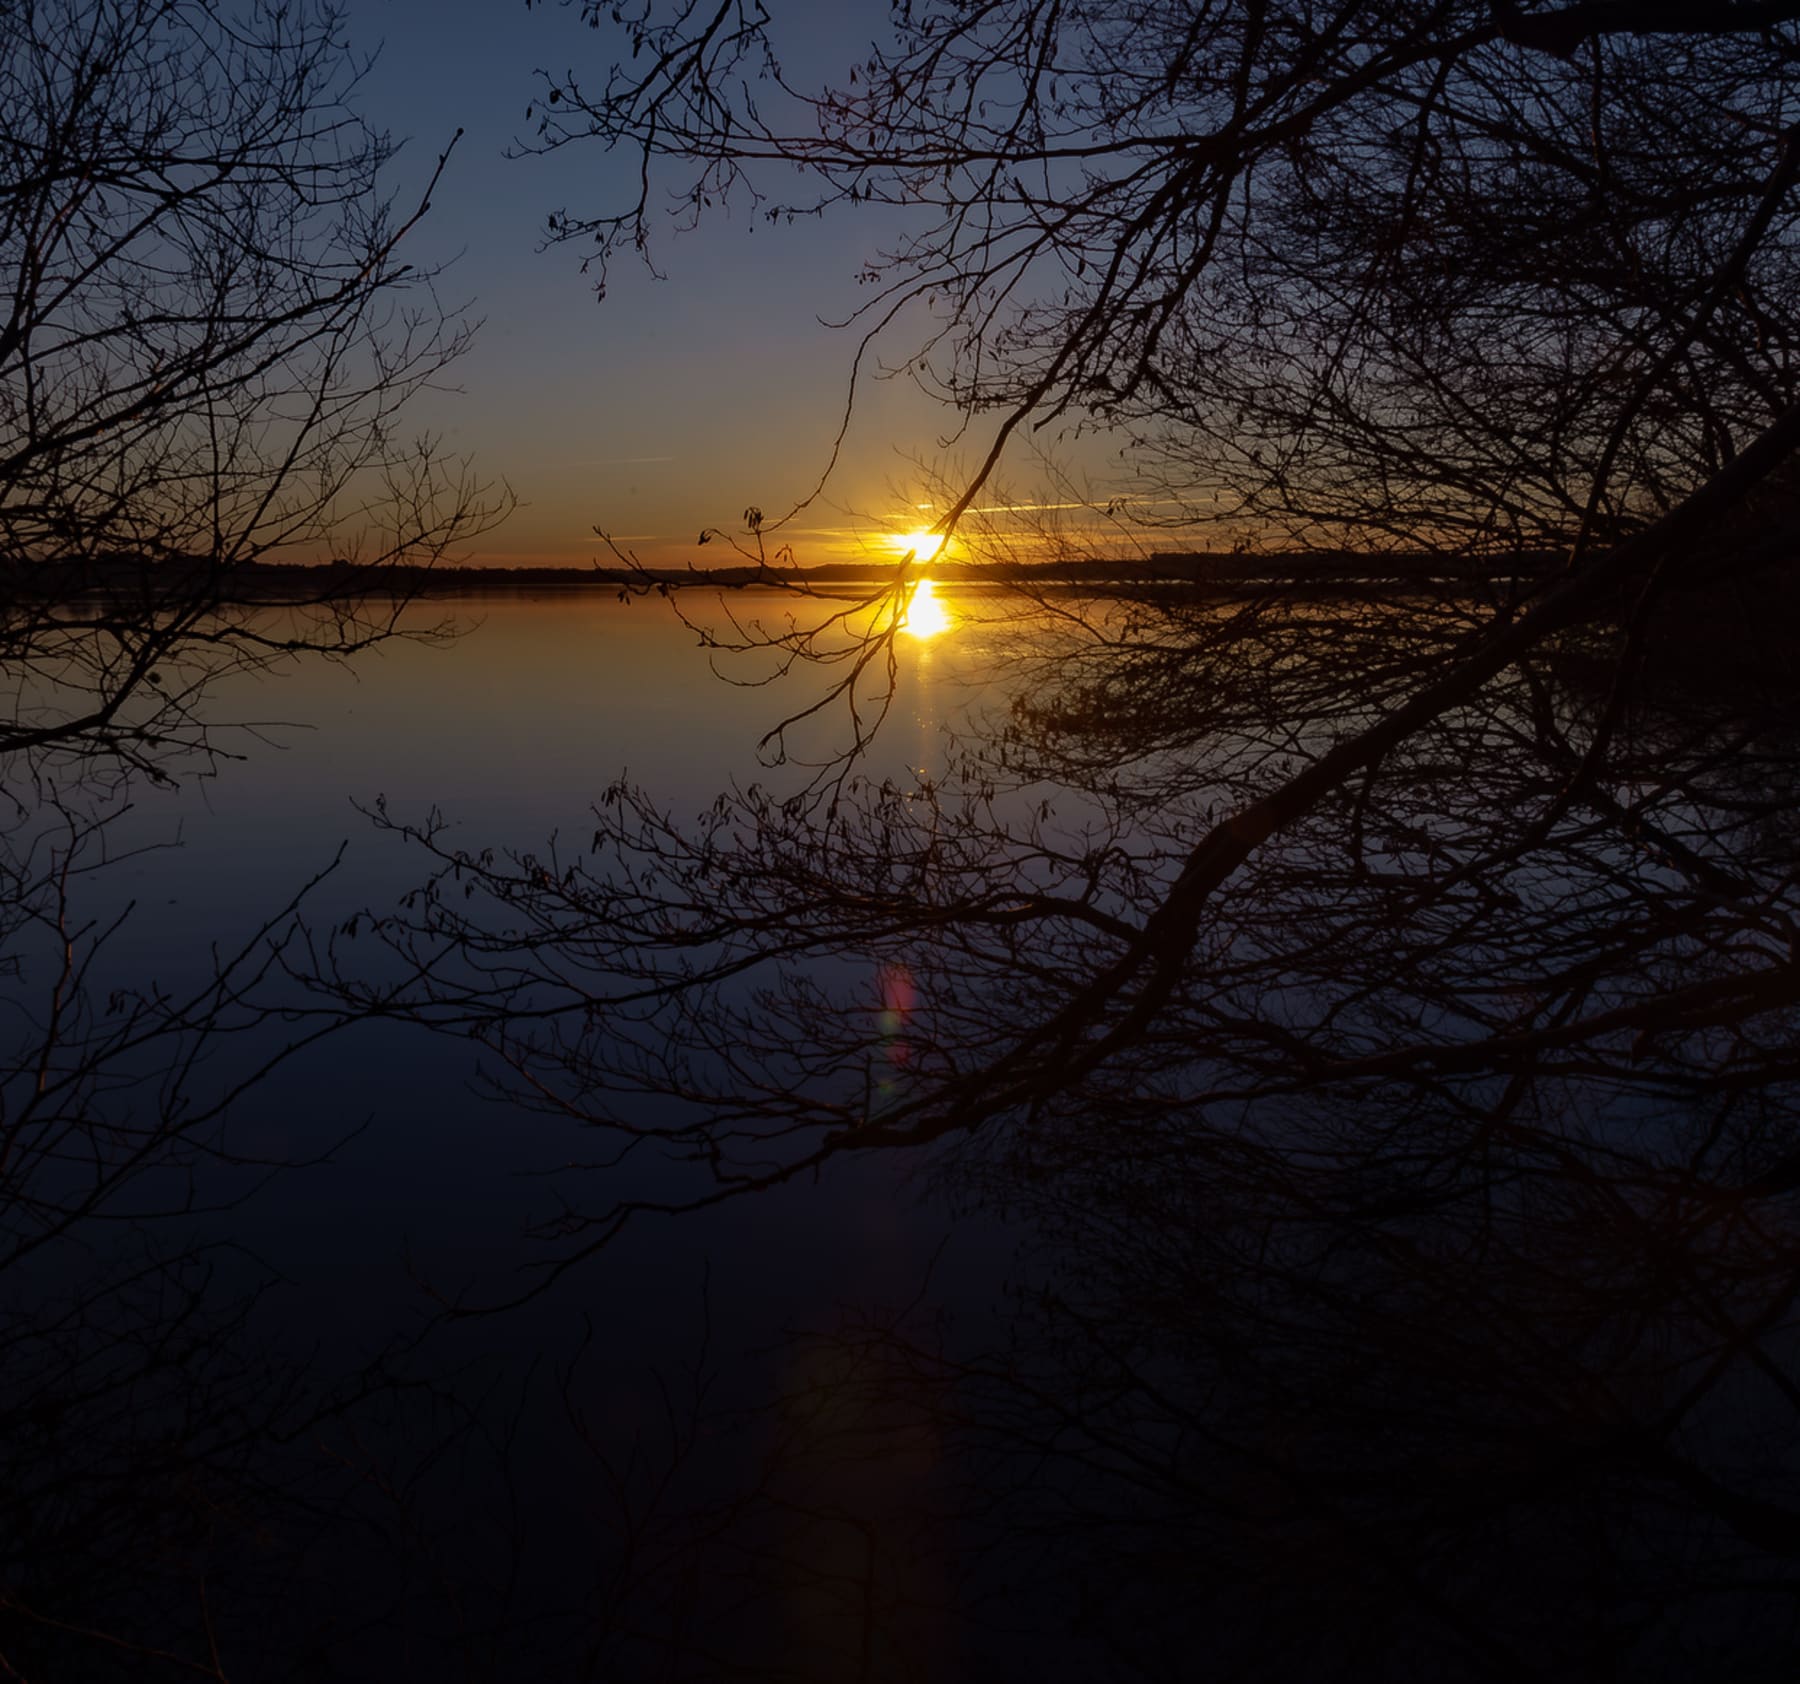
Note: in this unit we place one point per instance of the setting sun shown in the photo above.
(923, 546)
(924, 615)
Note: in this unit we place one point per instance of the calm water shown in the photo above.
(510, 729)
(417, 1188)
(1118, 1397)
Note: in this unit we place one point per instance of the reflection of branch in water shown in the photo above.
(1089, 936)
(141, 1426)
(1523, 1415)
(1418, 1259)
(844, 629)
(201, 370)
(1390, 1045)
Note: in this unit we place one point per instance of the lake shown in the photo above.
(329, 1358)
(416, 1186)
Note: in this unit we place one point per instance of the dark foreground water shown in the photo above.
(289, 1392)
(242, 1414)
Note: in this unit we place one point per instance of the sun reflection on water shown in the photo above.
(924, 615)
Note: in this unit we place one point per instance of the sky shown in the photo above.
(671, 404)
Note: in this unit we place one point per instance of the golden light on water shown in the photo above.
(924, 615)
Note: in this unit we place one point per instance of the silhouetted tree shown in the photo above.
(1401, 763)
(1450, 272)
(1382, 990)
(207, 338)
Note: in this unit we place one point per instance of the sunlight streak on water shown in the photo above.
(924, 616)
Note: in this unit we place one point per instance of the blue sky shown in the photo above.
(671, 404)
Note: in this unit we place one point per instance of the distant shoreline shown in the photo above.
(258, 582)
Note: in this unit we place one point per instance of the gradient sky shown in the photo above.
(671, 404)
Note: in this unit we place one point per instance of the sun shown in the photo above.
(923, 546)
(923, 615)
